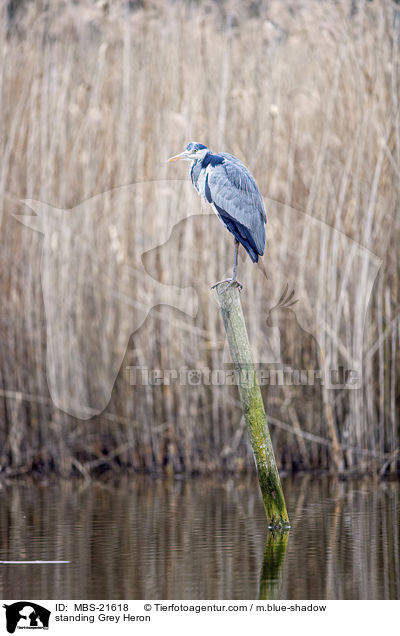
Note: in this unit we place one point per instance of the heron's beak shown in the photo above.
(181, 155)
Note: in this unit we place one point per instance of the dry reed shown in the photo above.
(97, 95)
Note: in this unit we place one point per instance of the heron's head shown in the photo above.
(192, 152)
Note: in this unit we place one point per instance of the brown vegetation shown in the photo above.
(97, 95)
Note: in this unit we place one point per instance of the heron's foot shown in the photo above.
(230, 282)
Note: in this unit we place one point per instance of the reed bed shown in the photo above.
(95, 96)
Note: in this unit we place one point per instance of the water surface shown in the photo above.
(144, 539)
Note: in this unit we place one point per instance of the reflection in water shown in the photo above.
(274, 557)
(142, 539)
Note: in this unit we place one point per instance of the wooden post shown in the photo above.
(252, 405)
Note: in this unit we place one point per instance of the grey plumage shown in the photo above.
(225, 182)
(236, 199)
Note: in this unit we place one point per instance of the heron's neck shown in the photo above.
(195, 171)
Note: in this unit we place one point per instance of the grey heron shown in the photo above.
(225, 182)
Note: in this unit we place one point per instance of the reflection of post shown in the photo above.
(252, 405)
(274, 558)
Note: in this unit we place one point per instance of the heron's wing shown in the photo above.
(233, 191)
(242, 178)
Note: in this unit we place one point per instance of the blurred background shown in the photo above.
(115, 269)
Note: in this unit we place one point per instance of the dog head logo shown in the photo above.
(26, 614)
(89, 248)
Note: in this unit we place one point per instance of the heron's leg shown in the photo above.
(232, 280)
(235, 257)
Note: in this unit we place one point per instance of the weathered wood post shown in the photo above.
(252, 405)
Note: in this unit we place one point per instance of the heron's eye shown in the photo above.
(194, 149)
